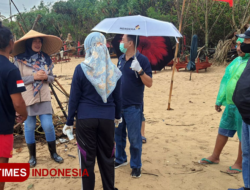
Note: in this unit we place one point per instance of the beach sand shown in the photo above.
(176, 139)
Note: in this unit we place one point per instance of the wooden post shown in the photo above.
(37, 18)
(175, 57)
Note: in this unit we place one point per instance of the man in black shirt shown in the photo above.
(241, 99)
(11, 101)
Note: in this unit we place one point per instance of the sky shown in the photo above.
(28, 4)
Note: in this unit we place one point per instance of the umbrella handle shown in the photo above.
(177, 41)
(135, 55)
(136, 45)
(136, 74)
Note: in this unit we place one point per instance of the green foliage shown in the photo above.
(78, 17)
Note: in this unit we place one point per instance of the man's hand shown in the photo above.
(135, 66)
(20, 107)
(218, 108)
(20, 118)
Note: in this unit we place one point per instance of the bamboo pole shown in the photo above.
(37, 18)
(175, 57)
(58, 101)
(19, 14)
(61, 87)
(11, 16)
(21, 28)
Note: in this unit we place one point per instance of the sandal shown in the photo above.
(208, 161)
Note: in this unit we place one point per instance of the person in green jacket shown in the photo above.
(231, 121)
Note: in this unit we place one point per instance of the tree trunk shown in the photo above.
(206, 27)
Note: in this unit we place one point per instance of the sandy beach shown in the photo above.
(176, 139)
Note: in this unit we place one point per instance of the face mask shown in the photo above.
(122, 48)
(245, 47)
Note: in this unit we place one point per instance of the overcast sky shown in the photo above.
(28, 4)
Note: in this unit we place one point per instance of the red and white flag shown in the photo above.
(19, 83)
(228, 1)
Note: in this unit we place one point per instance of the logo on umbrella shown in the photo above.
(136, 28)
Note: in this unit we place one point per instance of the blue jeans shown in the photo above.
(47, 125)
(245, 145)
(132, 119)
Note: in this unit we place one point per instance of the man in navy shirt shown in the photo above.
(241, 98)
(136, 73)
(11, 101)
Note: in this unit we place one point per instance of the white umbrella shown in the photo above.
(137, 25)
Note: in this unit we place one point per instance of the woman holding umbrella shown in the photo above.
(96, 96)
(31, 57)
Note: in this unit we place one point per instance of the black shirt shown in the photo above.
(132, 85)
(10, 83)
(241, 96)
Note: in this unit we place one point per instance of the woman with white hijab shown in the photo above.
(95, 96)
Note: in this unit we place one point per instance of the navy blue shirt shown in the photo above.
(10, 83)
(88, 103)
(132, 85)
(241, 96)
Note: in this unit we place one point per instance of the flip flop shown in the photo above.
(231, 169)
(144, 140)
(204, 159)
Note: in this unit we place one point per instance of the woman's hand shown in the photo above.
(68, 130)
(40, 75)
(117, 122)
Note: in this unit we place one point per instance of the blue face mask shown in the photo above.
(122, 48)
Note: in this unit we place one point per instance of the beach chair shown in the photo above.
(170, 64)
(181, 65)
(202, 65)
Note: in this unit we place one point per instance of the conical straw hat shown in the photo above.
(51, 44)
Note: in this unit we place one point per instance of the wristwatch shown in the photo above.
(141, 73)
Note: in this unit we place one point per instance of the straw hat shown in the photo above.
(51, 44)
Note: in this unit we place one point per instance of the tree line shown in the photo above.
(210, 20)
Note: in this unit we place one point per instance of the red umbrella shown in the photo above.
(158, 50)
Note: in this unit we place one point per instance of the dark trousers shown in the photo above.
(95, 138)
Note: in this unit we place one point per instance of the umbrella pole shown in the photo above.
(190, 75)
(175, 57)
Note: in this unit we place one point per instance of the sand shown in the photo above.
(176, 139)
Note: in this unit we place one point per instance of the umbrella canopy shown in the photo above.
(193, 53)
(137, 25)
(158, 50)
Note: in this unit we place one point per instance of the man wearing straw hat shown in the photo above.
(11, 101)
(136, 74)
(32, 58)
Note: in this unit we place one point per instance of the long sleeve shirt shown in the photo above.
(88, 103)
(39, 108)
